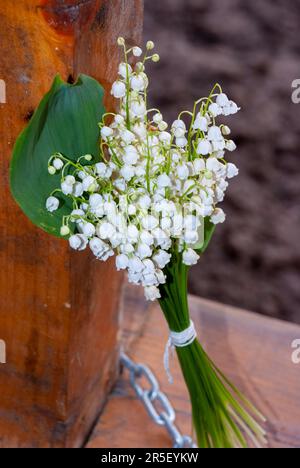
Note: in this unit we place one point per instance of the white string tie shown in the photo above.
(178, 340)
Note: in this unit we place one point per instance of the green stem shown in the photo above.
(220, 420)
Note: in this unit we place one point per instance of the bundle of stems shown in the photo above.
(222, 416)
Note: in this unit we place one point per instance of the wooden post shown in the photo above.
(59, 310)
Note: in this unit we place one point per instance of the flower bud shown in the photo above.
(51, 170)
(139, 67)
(155, 58)
(150, 45)
(162, 126)
(121, 41)
(64, 231)
(157, 118)
(226, 130)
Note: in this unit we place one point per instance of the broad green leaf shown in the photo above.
(66, 122)
(209, 229)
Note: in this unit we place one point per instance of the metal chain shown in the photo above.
(153, 396)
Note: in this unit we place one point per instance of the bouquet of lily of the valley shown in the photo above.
(151, 201)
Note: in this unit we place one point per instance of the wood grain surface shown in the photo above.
(59, 310)
(255, 352)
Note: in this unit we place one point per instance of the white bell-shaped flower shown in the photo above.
(131, 155)
(147, 238)
(190, 257)
(78, 241)
(137, 83)
(204, 147)
(122, 262)
(58, 163)
(52, 204)
(200, 123)
(137, 51)
(163, 181)
(125, 70)
(230, 145)
(152, 293)
(222, 100)
(218, 216)
(161, 258)
(88, 229)
(144, 251)
(106, 132)
(183, 171)
(118, 89)
(136, 265)
(232, 170)
(105, 230)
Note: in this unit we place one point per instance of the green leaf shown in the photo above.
(66, 122)
(209, 229)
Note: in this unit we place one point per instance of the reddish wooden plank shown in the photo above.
(59, 310)
(255, 352)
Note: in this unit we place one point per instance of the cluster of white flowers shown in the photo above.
(153, 188)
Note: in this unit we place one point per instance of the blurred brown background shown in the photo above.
(253, 50)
